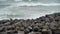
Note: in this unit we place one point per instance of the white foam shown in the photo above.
(33, 16)
(30, 4)
(36, 4)
(17, 0)
(17, 5)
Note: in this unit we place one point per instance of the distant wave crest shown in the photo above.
(19, 4)
(36, 4)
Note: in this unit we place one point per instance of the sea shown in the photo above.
(27, 9)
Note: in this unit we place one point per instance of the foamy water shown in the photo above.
(20, 9)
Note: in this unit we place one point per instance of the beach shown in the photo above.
(29, 16)
(48, 24)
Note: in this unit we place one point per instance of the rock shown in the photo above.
(32, 32)
(26, 31)
(21, 28)
(38, 32)
(2, 29)
(44, 30)
(36, 29)
(3, 32)
(56, 31)
(7, 23)
(35, 32)
(20, 32)
(9, 33)
(10, 28)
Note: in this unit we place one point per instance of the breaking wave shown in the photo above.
(28, 10)
(36, 4)
(25, 4)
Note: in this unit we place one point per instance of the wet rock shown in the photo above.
(22, 29)
(3, 32)
(20, 32)
(38, 33)
(45, 31)
(10, 28)
(35, 32)
(57, 14)
(7, 23)
(36, 29)
(32, 32)
(56, 31)
(2, 29)
(9, 33)
(27, 30)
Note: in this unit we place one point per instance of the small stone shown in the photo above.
(38, 32)
(35, 29)
(32, 33)
(56, 32)
(44, 30)
(22, 29)
(20, 32)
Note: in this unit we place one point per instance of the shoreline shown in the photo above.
(32, 17)
(48, 24)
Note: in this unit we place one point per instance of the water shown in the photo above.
(27, 9)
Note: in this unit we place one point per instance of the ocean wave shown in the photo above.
(14, 10)
(2, 0)
(25, 4)
(17, 0)
(32, 16)
(36, 4)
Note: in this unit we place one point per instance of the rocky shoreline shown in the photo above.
(48, 24)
